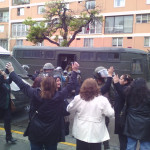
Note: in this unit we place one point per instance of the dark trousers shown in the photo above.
(5, 114)
(106, 143)
(122, 141)
(81, 145)
(43, 146)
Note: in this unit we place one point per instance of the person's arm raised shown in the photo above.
(25, 88)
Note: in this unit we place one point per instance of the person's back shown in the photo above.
(90, 110)
(138, 115)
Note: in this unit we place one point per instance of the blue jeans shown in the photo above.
(132, 144)
(43, 146)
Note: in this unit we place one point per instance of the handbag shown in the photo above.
(12, 105)
(26, 132)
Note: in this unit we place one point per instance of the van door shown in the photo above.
(64, 60)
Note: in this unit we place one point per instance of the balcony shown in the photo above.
(20, 2)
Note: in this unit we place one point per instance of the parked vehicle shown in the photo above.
(19, 99)
(125, 60)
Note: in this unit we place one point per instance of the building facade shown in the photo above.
(126, 23)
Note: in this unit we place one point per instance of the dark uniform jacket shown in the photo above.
(107, 90)
(138, 120)
(48, 125)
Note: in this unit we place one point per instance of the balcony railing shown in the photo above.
(20, 2)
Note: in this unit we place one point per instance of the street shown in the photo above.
(19, 123)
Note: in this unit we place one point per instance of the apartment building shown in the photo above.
(126, 23)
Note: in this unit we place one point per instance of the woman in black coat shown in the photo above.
(137, 126)
(5, 109)
(45, 129)
(120, 85)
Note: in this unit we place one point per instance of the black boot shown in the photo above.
(10, 139)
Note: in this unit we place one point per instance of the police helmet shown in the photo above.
(48, 66)
(58, 68)
(65, 72)
(100, 72)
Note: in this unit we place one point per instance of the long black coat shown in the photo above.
(50, 114)
(118, 106)
(137, 124)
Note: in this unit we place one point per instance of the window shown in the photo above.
(19, 30)
(92, 28)
(20, 11)
(119, 24)
(20, 2)
(119, 3)
(147, 1)
(49, 55)
(60, 40)
(88, 42)
(40, 44)
(136, 66)
(147, 41)
(87, 56)
(90, 4)
(113, 56)
(19, 42)
(4, 43)
(4, 16)
(117, 42)
(102, 56)
(32, 54)
(1, 0)
(1, 28)
(41, 9)
(143, 18)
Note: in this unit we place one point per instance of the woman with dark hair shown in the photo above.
(120, 85)
(45, 130)
(37, 82)
(90, 109)
(138, 115)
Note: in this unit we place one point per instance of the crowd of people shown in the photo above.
(94, 101)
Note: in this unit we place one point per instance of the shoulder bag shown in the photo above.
(26, 132)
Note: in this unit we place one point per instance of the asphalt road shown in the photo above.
(19, 123)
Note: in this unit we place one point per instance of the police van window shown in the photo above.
(87, 56)
(49, 54)
(137, 66)
(113, 56)
(32, 54)
(17, 54)
(101, 56)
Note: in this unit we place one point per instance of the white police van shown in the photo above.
(20, 100)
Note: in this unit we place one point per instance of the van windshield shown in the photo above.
(17, 67)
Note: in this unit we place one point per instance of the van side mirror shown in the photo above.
(25, 67)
